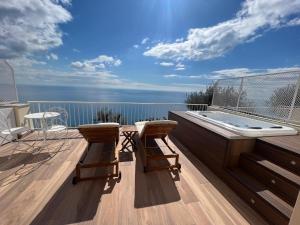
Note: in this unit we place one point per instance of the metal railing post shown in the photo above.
(294, 99)
(215, 86)
(240, 92)
(92, 113)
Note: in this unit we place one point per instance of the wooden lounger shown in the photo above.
(99, 133)
(149, 130)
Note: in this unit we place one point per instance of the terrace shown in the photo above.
(37, 189)
(225, 177)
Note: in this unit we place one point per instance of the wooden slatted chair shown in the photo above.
(99, 133)
(150, 130)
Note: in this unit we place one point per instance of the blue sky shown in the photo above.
(147, 44)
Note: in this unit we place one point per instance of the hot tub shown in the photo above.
(242, 125)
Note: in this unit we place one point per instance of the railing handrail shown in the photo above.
(261, 75)
(257, 107)
(82, 112)
(133, 103)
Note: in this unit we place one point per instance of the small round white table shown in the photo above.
(42, 116)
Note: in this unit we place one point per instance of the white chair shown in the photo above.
(11, 134)
(58, 125)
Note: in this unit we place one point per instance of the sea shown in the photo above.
(92, 94)
(104, 107)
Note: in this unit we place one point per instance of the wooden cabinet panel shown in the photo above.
(208, 146)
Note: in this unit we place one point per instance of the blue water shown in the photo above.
(81, 113)
(59, 93)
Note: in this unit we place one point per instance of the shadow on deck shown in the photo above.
(154, 188)
(47, 195)
(82, 202)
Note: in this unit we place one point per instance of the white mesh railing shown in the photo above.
(8, 91)
(125, 113)
(275, 96)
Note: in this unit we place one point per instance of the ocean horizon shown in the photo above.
(82, 113)
(94, 94)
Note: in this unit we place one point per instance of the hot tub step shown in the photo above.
(279, 180)
(261, 198)
(285, 157)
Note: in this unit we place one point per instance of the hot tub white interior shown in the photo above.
(243, 125)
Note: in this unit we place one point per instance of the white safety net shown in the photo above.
(8, 92)
(276, 96)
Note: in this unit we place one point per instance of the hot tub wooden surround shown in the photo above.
(265, 172)
(215, 146)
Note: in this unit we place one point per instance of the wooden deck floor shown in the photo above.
(36, 188)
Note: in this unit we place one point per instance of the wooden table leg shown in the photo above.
(129, 135)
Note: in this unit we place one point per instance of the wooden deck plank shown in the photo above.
(47, 196)
(25, 191)
(291, 143)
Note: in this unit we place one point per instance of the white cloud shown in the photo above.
(244, 72)
(176, 87)
(227, 73)
(145, 40)
(179, 66)
(283, 69)
(52, 56)
(30, 26)
(179, 40)
(191, 86)
(195, 77)
(231, 73)
(93, 74)
(75, 50)
(24, 62)
(65, 2)
(294, 22)
(52, 76)
(241, 72)
(100, 62)
(249, 23)
(171, 75)
(166, 64)
(98, 79)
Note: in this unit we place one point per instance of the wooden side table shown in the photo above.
(128, 131)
